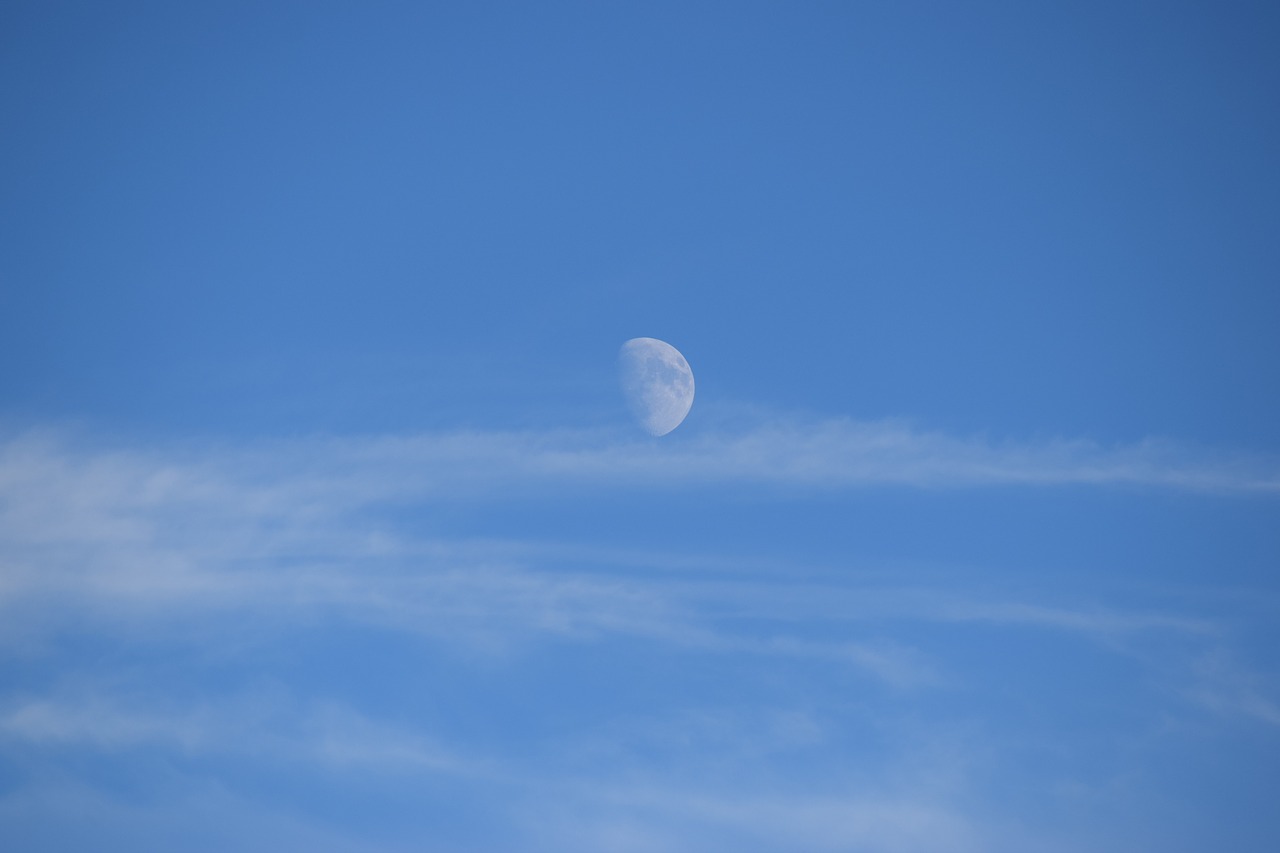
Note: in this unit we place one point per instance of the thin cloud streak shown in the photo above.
(834, 454)
(152, 545)
(254, 726)
(172, 544)
(308, 477)
(124, 536)
(661, 819)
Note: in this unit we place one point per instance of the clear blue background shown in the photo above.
(1011, 224)
(989, 216)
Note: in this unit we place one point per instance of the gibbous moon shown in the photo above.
(657, 382)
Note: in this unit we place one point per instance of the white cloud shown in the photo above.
(191, 814)
(665, 820)
(292, 532)
(60, 491)
(262, 725)
(1224, 686)
(162, 545)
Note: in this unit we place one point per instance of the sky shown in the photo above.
(324, 524)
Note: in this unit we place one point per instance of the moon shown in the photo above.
(657, 383)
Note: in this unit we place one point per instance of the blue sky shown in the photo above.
(323, 523)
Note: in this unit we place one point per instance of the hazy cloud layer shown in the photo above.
(123, 569)
(291, 531)
(316, 474)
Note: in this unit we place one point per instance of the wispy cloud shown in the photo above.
(190, 813)
(307, 477)
(168, 547)
(545, 807)
(660, 819)
(291, 532)
(1224, 686)
(851, 454)
(262, 725)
